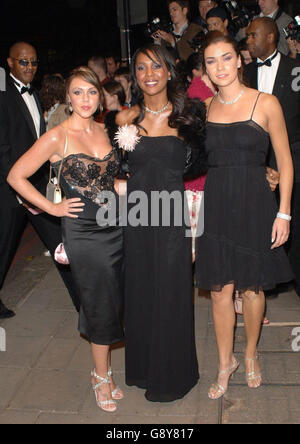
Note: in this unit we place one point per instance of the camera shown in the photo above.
(292, 31)
(198, 40)
(240, 14)
(158, 24)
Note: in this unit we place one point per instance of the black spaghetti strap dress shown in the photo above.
(240, 210)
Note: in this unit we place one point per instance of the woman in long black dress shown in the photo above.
(159, 320)
(89, 166)
(242, 244)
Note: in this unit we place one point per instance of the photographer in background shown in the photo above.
(204, 7)
(294, 47)
(270, 8)
(183, 31)
(217, 20)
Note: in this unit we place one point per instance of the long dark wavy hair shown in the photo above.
(188, 115)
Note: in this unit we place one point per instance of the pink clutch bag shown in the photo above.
(35, 211)
(60, 255)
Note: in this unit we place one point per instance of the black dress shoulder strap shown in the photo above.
(208, 109)
(258, 96)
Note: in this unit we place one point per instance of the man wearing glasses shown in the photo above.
(21, 124)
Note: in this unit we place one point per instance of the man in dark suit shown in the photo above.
(274, 73)
(21, 124)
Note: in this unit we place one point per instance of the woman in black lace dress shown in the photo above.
(159, 316)
(95, 251)
(242, 244)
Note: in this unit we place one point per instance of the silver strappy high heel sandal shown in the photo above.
(219, 389)
(117, 393)
(252, 375)
(104, 405)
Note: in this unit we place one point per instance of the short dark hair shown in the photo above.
(99, 61)
(217, 12)
(116, 58)
(182, 3)
(115, 89)
(270, 26)
(125, 72)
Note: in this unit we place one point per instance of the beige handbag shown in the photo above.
(53, 191)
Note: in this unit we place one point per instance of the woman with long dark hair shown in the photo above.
(242, 244)
(53, 93)
(159, 320)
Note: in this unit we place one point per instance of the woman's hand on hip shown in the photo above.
(68, 207)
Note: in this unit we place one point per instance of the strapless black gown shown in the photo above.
(159, 315)
(240, 210)
(95, 252)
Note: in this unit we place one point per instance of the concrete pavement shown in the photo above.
(44, 373)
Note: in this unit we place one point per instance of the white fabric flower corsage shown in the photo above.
(127, 137)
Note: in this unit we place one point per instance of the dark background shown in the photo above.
(66, 32)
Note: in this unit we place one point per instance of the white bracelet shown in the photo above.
(284, 216)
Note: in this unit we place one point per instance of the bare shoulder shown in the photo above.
(268, 99)
(127, 116)
(54, 139)
(270, 104)
(56, 134)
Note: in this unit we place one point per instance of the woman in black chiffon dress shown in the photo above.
(236, 250)
(159, 314)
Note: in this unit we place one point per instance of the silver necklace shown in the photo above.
(157, 112)
(231, 102)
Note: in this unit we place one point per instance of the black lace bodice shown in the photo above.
(89, 175)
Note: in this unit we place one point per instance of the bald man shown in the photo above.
(21, 124)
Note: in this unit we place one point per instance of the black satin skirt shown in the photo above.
(96, 259)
